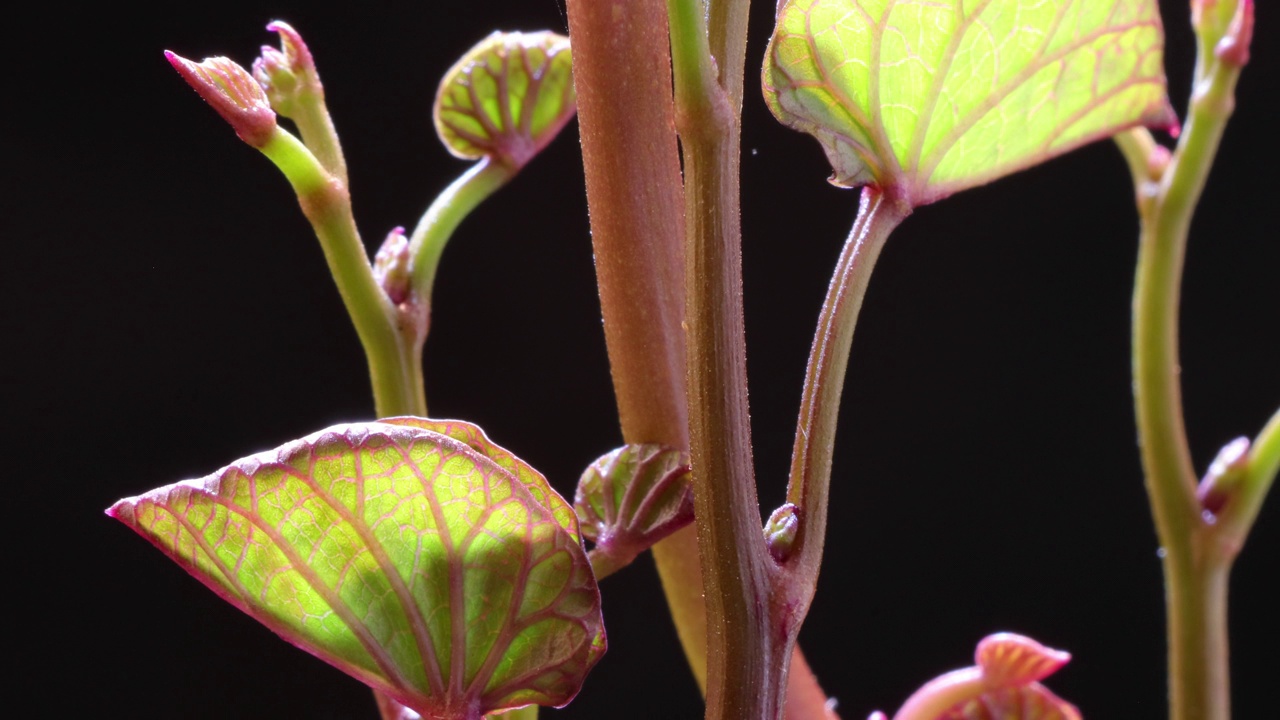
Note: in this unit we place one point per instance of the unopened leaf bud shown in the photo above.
(391, 266)
(1233, 48)
(781, 530)
(287, 72)
(1224, 475)
(233, 92)
(272, 72)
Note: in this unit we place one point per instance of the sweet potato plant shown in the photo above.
(429, 559)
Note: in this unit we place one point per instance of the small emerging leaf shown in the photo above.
(419, 565)
(927, 99)
(1008, 660)
(630, 499)
(286, 73)
(507, 97)
(1004, 685)
(231, 91)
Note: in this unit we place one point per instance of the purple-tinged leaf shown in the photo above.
(233, 92)
(1004, 685)
(400, 555)
(630, 499)
(928, 99)
(507, 97)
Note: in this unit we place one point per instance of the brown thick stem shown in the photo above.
(621, 66)
(748, 652)
(626, 116)
(744, 655)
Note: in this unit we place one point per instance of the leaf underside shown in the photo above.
(930, 97)
(402, 556)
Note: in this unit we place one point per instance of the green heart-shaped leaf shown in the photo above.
(507, 97)
(930, 98)
(400, 555)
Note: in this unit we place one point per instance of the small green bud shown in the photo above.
(781, 530)
(1225, 473)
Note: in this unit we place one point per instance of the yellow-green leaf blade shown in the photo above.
(507, 97)
(402, 556)
(931, 98)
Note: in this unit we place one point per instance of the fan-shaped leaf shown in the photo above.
(398, 554)
(930, 98)
(507, 97)
(631, 498)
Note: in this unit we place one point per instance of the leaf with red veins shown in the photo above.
(400, 555)
(507, 97)
(231, 91)
(477, 440)
(928, 98)
(630, 499)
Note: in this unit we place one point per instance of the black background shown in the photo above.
(167, 311)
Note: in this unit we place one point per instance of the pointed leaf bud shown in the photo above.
(233, 92)
(1233, 48)
(1225, 473)
(391, 266)
(287, 73)
(507, 97)
(780, 531)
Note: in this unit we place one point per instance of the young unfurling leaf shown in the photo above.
(630, 499)
(419, 565)
(507, 97)
(1003, 684)
(927, 99)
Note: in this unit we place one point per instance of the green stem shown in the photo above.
(1196, 564)
(810, 480)
(327, 205)
(426, 245)
(433, 231)
(314, 124)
